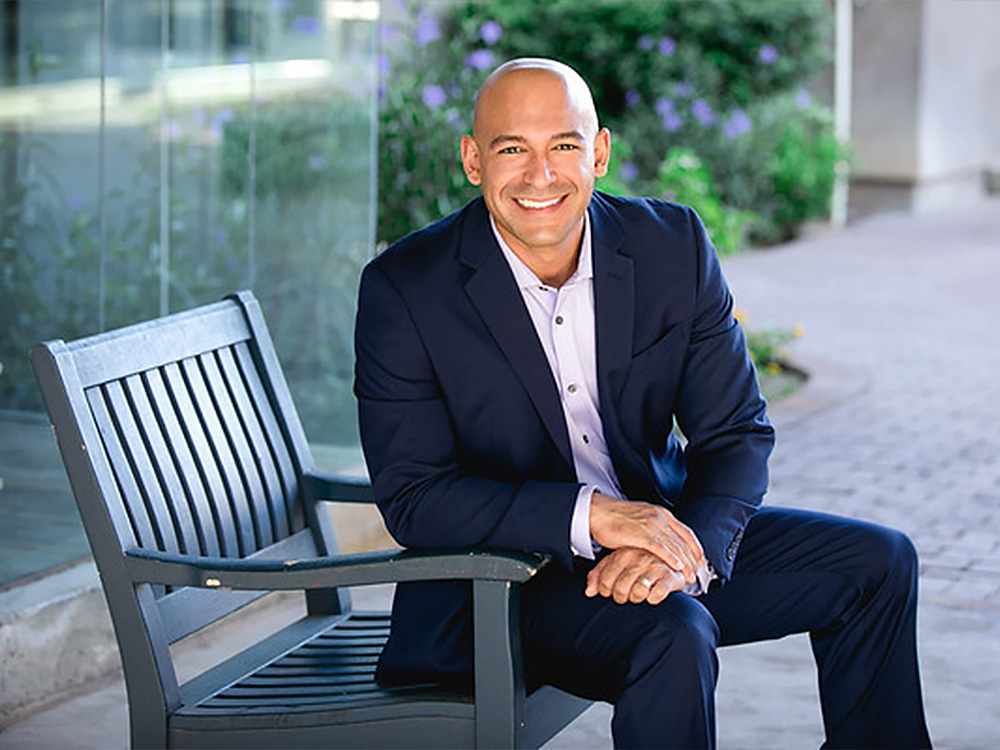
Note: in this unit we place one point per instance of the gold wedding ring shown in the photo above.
(646, 582)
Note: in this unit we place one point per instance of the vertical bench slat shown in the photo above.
(150, 399)
(194, 375)
(251, 502)
(295, 517)
(132, 411)
(128, 487)
(200, 536)
(273, 496)
(213, 511)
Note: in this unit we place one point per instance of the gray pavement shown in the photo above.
(899, 423)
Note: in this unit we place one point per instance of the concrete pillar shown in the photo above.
(925, 103)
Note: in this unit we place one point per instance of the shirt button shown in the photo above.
(571, 388)
(559, 320)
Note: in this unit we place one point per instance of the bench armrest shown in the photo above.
(320, 485)
(391, 566)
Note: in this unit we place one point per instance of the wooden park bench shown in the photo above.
(198, 495)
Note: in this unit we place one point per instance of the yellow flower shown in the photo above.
(799, 331)
(773, 368)
(741, 315)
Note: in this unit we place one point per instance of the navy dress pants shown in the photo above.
(851, 585)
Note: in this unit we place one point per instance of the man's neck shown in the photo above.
(556, 271)
(553, 267)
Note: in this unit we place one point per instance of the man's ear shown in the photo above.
(602, 152)
(470, 160)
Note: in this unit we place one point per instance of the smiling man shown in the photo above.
(520, 367)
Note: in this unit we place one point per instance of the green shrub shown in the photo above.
(683, 178)
(783, 168)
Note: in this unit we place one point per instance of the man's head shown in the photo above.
(535, 150)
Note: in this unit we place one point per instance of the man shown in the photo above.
(520, 365)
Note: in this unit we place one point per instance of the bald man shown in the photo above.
(520, 367)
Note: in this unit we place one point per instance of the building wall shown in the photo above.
(925, 102)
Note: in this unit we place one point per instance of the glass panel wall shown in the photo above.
(156, 155)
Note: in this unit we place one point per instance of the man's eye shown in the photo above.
(510, 150)
(567, 147)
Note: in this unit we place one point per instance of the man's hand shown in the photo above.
(633, 575)
(629, 523)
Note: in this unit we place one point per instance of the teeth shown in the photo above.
(537, 204)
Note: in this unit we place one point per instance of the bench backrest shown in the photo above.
(179, 435)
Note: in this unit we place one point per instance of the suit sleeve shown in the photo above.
(722, 414)
(425, 496)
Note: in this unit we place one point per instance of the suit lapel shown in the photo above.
(494, 293)
(614, 305)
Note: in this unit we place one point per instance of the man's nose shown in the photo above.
(539, 171)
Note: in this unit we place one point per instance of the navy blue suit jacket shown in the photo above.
(461, 421)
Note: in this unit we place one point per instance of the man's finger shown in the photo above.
(674, 553)
(664, 587)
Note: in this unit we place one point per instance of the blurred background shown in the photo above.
(158, 154)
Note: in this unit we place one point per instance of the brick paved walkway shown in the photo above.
(901, 424)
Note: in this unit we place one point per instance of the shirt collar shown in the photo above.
(526, 278)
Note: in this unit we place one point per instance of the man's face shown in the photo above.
(535, 152)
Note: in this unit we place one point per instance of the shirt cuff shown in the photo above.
(705, 575)
(580, 543)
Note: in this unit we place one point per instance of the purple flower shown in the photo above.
(629, 171)
(388, 34)
(803, 99)
(317, 162)
(768, 54)
(632, 98)
(683, 89)
(738, 124)
(672, 122)
(76, 202)
(225, 114)
(481, 59)
(306, 25)
(434, 96)
(702, 112)
(279, 5)
(664, 106)
(239, 58)
(667, 46)
(490, 32)
(646, 42)
(384, 66)
(427, 31)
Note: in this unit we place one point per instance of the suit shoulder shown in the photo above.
(649, 209)
(656, 222)
(424, 248)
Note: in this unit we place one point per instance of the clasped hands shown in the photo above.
(653, 554)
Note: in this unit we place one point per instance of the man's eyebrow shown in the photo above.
(574, 135)
(569, 135)
(507, 139)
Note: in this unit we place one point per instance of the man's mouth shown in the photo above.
(535, 204)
